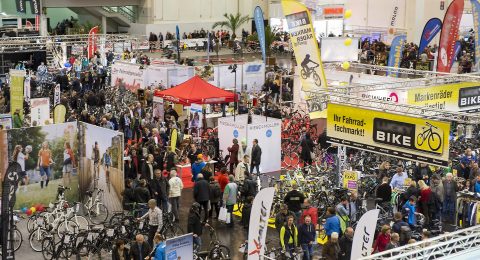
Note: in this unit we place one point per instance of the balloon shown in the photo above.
(347, 42)
(29, 212)
(345, 65)
(33, 209)
(24, 209)
(348, 13)
(67, 65)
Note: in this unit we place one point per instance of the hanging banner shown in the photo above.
(257, 231)
(158, 109)
(20, 6)
(92, 42)
(405, 137)
(476, 23)
(180, 247)
(451, 24)
(56, 96)
(59, 113)
(457, 48)
(6, 121)
(195, 118)
(461, 97)
(259, 24)
(127, 76)
(39, 111)
(364, 235)
(27, 89)
(17, 78)
(431, 29)
(396, 51)
(35, 6)
(304, 44)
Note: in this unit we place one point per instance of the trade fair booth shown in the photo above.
(266, 130)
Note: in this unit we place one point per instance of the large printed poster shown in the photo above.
(127, 76)
(40, 111)
(400, 136)
(16, 90)
(40, 151)
(463, 97)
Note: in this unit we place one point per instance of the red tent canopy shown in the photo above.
(196, 91)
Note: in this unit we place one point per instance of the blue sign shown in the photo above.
(253, 68)
(235, 133)
(396, 50)
(259, 24)
(269, 133)
(431, 29)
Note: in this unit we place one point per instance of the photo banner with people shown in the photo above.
(101, 164)
(450, 30)
(41, 152)
(405, 137)
(17, 78)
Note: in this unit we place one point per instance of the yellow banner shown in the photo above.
(17, 78)
(350, 180)
(173, 140)
(59, 113)
(400, 136)
(464, 96)
(305, 46)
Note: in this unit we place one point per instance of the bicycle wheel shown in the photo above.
(98, 213)
(48, 248)
(172, 230)
(420, 139)
(303, 73)
(219, 252)
(67, 226)
(317, 80)
(35, 239)
(17, 239)
(434, 141)
(81, 221)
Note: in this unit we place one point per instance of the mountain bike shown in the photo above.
(311, 71)
(434, 140)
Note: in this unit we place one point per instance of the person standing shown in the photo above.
(256, 157)
(147, 169)
(223, 179)
(465, 163)
(215, 197)
(230, 197)
(233, 150)
(160, 189)
(96, 160)
(20, 158)
(119, 251)
(398, 180)
(382, 240)
(309, 210)
(139, 249)
(425, 199)
(44, 162)
(307, 149)
(289, 236)
(346, 244)
(158, 252)
(384, 191)
(450, 190)
(197, 167)
(331, 250)
(422, 172)
(332, 223)
(394, 242)
(195, 224)
(176, 186)
(201, 194)
(68, 164)
(155, 220)
(306, 237)
(294, 200)
(241, 172)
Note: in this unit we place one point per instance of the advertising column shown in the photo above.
(17, 78)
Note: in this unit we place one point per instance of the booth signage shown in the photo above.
(327, 12)
(464, 97)
(350, 180)
(400, 136)
(180, 247)
(17, 78)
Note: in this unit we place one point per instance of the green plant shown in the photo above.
(271, 35)
(232, 22)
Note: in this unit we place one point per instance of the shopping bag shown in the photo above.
(223, 214)
(228, 218)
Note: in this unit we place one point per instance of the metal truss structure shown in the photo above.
(446, 245)
(325, 96)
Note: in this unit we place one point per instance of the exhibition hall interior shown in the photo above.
(240, 129)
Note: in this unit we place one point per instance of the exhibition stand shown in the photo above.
(266, 130)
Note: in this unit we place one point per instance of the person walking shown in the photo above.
(306, 237)
(195, 225)
(20, 158)
(233, 150)
(307, 149)
(201, 194)
(215, 197)
(174, 194)
(119, 251)
(230, 197)
(68, 164)
(44, 162)
(256, 157)
(155, 220)
(332, 223)
(158, 252)
(160, 189)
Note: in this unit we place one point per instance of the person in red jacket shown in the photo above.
(425, 194)
(309, 211)
(223, 179)
(382, 240)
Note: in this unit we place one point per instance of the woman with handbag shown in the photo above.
(307, 150)
(68, 164)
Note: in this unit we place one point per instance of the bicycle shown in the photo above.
(430, 136)
(55, 250)
(96, 210)
(17, 235)
(306, 74)
(216, 249)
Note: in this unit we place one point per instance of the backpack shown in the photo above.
(405, 234)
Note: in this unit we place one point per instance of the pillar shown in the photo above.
(104, 24)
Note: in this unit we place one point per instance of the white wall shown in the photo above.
(375, 13)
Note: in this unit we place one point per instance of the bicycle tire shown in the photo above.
(68, 226)
(303, 73)
(17, 239)
(48, 248)
(420, 139)
(100, 216)
(316, 79)
(37, 237)
(81, 221)
(221, 252)
(431, 138)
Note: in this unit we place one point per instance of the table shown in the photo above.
(181, 166)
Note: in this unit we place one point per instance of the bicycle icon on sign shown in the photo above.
(434, 140)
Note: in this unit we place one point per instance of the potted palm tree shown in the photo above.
(232, 22)
(271, 35)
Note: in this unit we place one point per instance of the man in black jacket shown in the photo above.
(129, 196)
(256, 157)
(384, 191)
(249, 187)
(294, 200)
(160, 188)
(195, 224)
(307, 237)
(201, 194)
(140, 249)
(346, 244)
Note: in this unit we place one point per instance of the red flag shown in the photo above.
(451, 23)
(92, 41)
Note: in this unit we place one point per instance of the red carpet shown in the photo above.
(186, 174)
